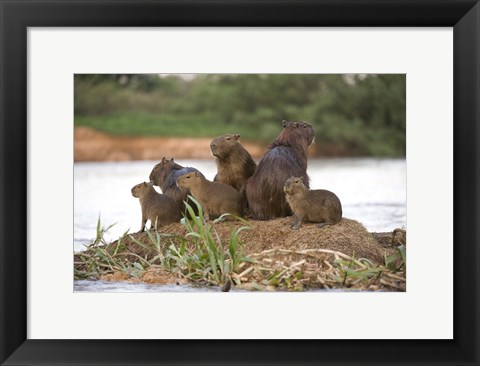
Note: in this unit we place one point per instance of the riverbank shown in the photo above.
(252, 255)
(92, 145)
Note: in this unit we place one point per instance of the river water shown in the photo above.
(372, 191)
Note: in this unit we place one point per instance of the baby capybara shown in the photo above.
(317, 205)
(215, 198)
(165, 175)
(286, 157)
(234, 163)
(158, 208)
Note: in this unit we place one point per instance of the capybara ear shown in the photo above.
(145, 184)
(164, 160)
(237, 136)
(284, 123)
(172, 160)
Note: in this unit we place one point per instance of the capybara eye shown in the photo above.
(228, 138)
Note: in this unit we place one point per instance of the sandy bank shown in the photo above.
(91, 145)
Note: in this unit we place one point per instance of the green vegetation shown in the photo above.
(351, 114)
(204, 259)
(130, 124)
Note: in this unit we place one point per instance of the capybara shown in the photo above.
(234, 163)
(215, 198)
(286, 157)
(165, 175)
(158, 208)
(317, 205)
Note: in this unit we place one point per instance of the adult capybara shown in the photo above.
(234, 163)
(158, 208)
(286, 157)
(165, 175)
(215, 198)
(317, 205)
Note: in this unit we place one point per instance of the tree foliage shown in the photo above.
(353, 114)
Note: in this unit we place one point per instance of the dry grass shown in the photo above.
(349, 237)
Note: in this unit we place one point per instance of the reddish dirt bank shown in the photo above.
(91, 145)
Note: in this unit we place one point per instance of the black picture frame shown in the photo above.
(17, 15)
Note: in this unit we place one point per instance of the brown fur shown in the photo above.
(165, 175)
(215, 198)
(286, 157)
(307, 205)
(156, 207)
(234, 163)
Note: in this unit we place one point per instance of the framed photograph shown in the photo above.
(156, 147)
(396, 79)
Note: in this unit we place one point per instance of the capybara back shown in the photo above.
(165, 175)
(286, 157)
(215, 198)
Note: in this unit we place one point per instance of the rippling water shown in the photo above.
(372, 191)
(106, 286)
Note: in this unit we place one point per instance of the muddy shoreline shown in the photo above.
(92, 145)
